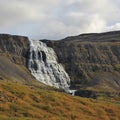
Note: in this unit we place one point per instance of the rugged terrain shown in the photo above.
(14, 51)
(93, 63)
(22, 102)
(92, 60)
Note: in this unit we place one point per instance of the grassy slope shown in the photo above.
(21, 102)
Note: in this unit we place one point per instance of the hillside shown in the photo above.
(92, 60)
(22, 102)
(13, 60)
(13, 51)
(93, 63)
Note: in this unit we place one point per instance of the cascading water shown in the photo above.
(45, 68)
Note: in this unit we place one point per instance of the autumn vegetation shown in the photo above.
(23, 102)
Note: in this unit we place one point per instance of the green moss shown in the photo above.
(117, 67)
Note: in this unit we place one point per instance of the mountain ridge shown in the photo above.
(84, 35)
(14, 51)
(94, 69)
(91, 60)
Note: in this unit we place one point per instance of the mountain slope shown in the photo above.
(92, 60)
(14, 51)
(21, 102)
(92, 64)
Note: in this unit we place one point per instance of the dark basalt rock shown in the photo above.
(91, 60)
(86, 93)
(14, 52)
(97, 94)
(16, 46)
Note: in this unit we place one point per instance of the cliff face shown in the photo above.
(13, 58)
(92, 60)
(14, 46)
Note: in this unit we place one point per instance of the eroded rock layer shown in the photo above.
(91, 60)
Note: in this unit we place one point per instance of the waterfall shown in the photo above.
(44, 66)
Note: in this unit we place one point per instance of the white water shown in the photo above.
(72, 92)
(45, 68)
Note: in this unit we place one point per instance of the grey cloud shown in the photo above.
(58, 18)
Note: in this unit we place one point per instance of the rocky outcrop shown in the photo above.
(97, 94)
(92, 60)
(16, 47)
(13, 58)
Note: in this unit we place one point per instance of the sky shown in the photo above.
(56, 19)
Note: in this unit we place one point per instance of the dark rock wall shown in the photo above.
(14, 52)
(90, 59)
(16, 47)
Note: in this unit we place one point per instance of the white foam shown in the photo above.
(45, 68)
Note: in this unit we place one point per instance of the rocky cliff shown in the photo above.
(15, 46)
(91, 64)
(13, 58)
(92, 60)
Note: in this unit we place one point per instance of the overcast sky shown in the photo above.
(56, 19)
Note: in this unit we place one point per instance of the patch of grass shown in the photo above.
(117, 67)
(22, 102)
